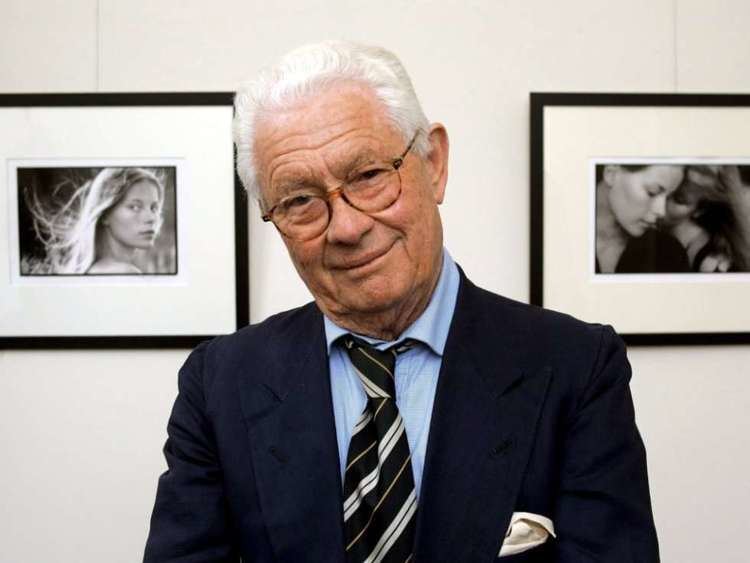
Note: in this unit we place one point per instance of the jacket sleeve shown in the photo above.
(603, 511)
(190, 523)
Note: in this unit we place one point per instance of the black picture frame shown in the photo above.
(188, 103)
(541, 104)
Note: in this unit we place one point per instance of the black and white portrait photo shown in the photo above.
(663, 217)
(87, 220)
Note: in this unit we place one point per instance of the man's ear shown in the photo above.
(437, 160)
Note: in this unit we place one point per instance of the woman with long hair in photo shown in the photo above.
(630, 200)
(102, 225)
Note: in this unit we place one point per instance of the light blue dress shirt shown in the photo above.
(416, 372)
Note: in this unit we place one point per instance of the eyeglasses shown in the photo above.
(306, 214)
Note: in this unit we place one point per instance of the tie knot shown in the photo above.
(375, 368)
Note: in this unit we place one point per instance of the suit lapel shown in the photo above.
(482, 430)
(293, 441)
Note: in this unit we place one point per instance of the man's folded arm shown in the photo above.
(603, 512)
(189, 523)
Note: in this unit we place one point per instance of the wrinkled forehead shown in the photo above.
(342, 126)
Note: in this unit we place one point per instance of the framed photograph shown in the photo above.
(640, 213)
(122, 221)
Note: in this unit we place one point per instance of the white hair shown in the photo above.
(311, 69)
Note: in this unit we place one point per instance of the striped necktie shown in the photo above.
(380, 502)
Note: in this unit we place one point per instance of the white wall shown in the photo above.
(81, 432)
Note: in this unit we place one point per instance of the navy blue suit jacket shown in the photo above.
(533, 413)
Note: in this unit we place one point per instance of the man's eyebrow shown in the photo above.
(363, 158)
(286, 185)
(355, 161)
(340, 169)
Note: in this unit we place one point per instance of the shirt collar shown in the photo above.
(431, 327)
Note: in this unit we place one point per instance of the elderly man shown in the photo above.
(405, 415)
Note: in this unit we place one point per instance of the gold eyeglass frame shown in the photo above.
(330, 195)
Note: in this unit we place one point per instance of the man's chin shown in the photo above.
(365, 305)
(364, 299)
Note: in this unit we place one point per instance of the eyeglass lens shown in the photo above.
(307, 216)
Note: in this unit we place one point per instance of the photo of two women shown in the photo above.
(672, 218)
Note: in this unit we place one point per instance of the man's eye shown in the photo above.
(296, 202)
(368, 175)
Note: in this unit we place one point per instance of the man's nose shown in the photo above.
(347, 225)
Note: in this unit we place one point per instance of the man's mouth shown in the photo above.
(361, 260)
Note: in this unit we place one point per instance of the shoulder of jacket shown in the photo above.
(549, 336)
(252, 345)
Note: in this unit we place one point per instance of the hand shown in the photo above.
(720, 256)
(715, 263)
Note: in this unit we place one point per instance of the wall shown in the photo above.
(81, 432)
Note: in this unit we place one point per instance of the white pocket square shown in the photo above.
(526, 530)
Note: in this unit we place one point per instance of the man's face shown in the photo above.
(363, 263)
